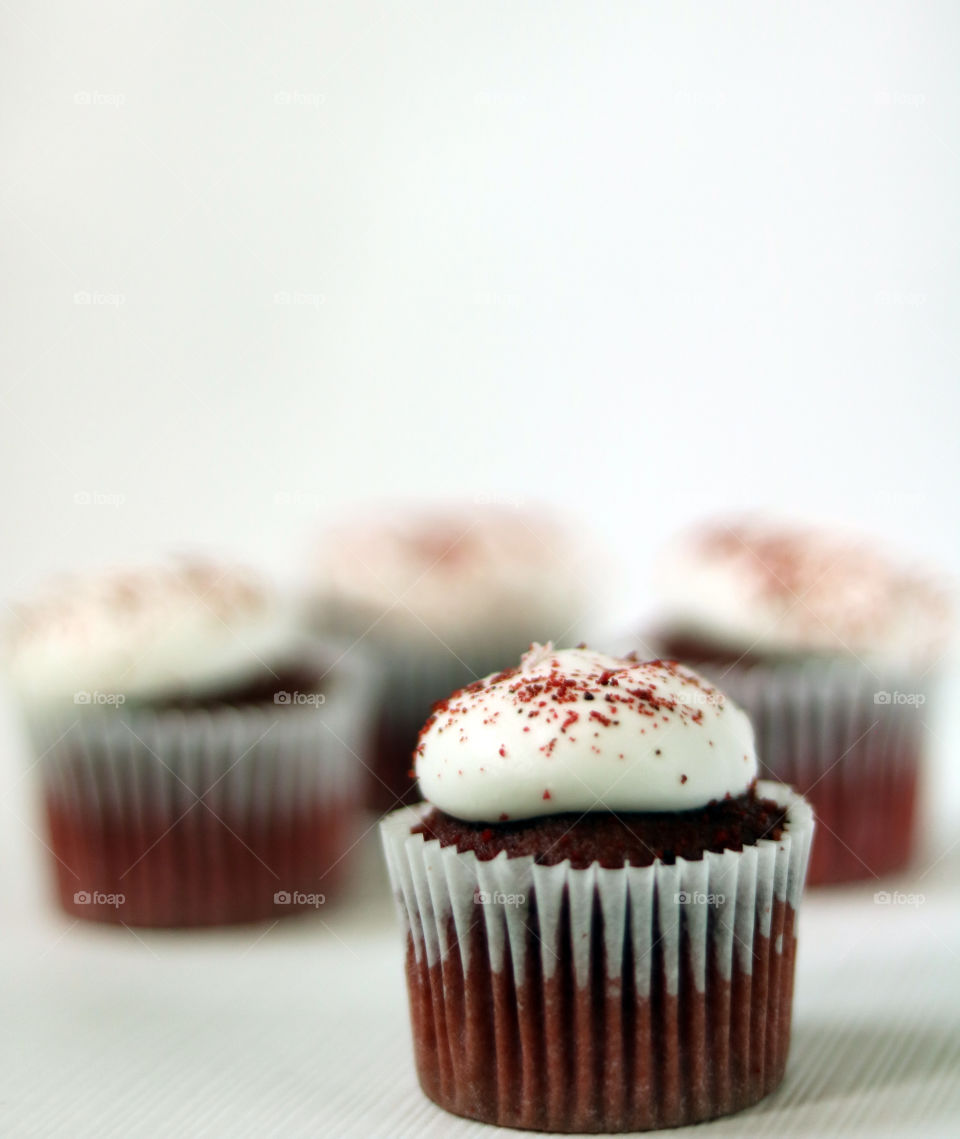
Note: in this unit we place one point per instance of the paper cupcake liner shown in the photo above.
(197, 817)
(599, 1000)
(852, 742)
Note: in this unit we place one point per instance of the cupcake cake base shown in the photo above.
(203, 815)
(840, 734)
(639, 1061)
(196, 869)
(599, 999)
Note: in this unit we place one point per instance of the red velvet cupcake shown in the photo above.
(831, 648)
(599, 900)
(198, 761)
(441, 596)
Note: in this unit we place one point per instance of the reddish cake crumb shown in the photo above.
(612, 839)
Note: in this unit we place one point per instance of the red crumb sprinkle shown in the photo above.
(639, 688)
(504, 816)
(683, 779)
(546, 794)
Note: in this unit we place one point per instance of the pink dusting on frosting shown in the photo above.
(540, 687)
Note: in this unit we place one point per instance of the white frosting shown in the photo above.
(776, 588)
(575, 730)
(456, 577)
(144, 632)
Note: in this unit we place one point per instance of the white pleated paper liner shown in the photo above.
(595, 999)
(207, 815)
(850, 738)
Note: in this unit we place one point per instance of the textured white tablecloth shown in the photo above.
(301, 1028)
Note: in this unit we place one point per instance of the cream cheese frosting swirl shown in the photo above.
(456, 576)
(145, 631)
(763, 585)
(575, 730)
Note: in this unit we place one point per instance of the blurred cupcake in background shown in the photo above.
(441, 596)
(199, 759)
(831, 646)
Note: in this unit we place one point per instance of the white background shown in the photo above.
(643, 261)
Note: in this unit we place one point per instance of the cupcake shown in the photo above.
(441, 597)
(599, 900)
(829, 645)
(198, 760)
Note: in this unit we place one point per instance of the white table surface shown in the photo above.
(300, 1028)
